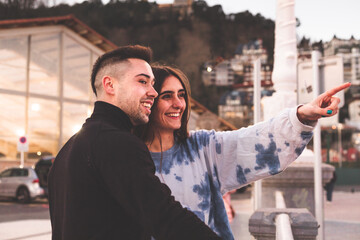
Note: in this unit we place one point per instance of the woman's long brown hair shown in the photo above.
(147, 132)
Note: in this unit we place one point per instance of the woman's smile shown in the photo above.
(171, 105)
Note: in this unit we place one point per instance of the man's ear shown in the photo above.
(108, 85)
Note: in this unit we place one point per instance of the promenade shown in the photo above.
(342, 219)
(342, 215)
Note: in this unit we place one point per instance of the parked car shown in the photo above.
(42, 168)
(21, 184)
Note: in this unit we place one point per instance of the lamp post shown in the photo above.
(339, 128)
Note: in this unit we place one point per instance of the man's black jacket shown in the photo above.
(102, 186)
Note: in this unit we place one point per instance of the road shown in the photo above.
(24, 221)
(12, 211)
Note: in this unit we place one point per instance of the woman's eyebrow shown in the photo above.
(171, 92)
(165, 92)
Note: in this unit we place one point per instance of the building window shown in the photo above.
(43, 127)
(13, 54)
(77, 67)
(44, 64)
(12, 122)
(74, 116)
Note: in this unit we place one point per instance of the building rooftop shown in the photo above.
(69, 21)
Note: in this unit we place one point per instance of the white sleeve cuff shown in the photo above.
(299, 126)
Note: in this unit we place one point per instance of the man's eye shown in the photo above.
(142, 81)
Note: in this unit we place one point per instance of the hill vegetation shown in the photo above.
(183, 39)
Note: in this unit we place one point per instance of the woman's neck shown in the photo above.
(162, 142)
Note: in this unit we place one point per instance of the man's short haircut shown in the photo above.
(119, 55)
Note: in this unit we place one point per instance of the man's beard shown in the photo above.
(139, 118)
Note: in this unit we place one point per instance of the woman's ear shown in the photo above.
(108, 85)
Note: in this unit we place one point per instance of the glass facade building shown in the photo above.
(45, 91)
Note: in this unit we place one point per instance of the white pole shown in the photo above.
(285, 61)
(339, 144)
(257, 118)
(318, 190)
(22, 159)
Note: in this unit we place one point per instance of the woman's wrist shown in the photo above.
(303, 118)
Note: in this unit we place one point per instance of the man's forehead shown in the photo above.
(139, 67)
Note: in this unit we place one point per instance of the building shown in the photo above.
(239, 69)
(220, 73)
(249, 52)
(350, 51)
(337, 45)
(183, 3)
(237, 106)
(44, 81)
(354, 114)
(265, 74)
(45, 94)
(183, 6)
(341, 139)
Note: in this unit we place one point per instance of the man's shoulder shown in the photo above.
(120, 134)
(101, 127)
(120, 138)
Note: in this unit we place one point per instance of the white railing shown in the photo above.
(282, 221)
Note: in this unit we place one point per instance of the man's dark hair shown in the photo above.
(119, 55)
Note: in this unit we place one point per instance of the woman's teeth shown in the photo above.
(173, 114)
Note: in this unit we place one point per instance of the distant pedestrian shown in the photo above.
(329, 187)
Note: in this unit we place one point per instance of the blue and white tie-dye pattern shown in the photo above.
(236, 158)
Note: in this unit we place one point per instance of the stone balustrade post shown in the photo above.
(303, 224)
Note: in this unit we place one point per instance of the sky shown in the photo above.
(320, 19)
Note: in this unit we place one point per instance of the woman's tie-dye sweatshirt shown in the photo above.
(209, 163)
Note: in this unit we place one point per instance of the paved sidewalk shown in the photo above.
(342, 219)
(26, 229)
(342, 215)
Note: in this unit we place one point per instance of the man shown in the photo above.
(102, 183)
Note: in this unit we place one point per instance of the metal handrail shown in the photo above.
(282, 221)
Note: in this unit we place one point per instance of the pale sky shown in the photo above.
(320, 19)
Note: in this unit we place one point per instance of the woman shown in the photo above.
(200, 166)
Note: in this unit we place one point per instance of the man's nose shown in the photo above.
(152, 92)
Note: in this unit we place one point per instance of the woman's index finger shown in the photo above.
(337, 89)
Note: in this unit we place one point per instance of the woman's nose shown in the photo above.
(178, 103)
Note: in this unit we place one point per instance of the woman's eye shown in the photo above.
(182, 95)
(142, 81)
(166, 96)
